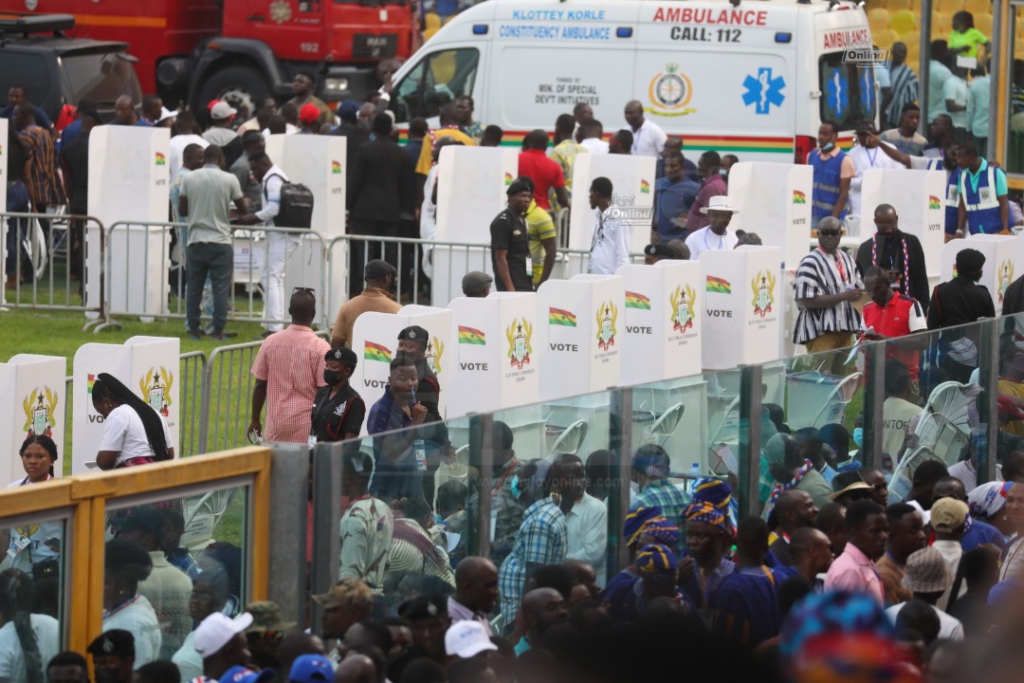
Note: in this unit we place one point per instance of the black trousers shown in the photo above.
(362, 251)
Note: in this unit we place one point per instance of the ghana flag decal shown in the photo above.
(470, 335)
(718, 285)
(373, 351)
(558, 316)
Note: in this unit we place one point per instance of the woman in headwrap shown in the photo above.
(27, 641)
(656, 564)
(988, 502)
(412, 549)
(842, 638)
(133, 433)
(719, 494)
(702, 570)
(642, 526)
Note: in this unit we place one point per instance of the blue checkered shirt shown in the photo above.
(542, 539)
(670, 498)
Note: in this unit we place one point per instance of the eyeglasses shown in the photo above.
(829, 232)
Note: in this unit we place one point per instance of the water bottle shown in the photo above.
(691, 484)
(421, 454)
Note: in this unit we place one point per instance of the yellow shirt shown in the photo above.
(426, 159)
(539, 227)
(972, 38)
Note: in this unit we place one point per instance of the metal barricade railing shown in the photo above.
(192, 369)
(55, 255)
(146, 277)
(227, 397)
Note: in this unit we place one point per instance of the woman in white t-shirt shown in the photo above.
(35, 548)
(126, 564)
(133, 432)
(27, 641)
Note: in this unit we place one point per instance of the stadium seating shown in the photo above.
(903, 21)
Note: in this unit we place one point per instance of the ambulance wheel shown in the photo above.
(237, 85)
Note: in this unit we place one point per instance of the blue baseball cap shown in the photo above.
(311, 669)
(239, 674)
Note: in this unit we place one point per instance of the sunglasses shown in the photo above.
(829, 232)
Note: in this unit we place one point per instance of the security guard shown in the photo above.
(338, 411)
(510, 241)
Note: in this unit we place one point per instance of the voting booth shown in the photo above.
(35, 386)
(774, 201)
(148, 366)
(743, 306)
(632, 195)
(319, 162)
(582, 322)
(129, 181)
(375, 341)
(1004, 262)
(661, 336)
(471, 189)
(498, 353)
(919, 199)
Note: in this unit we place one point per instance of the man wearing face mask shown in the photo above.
(833, 172)
(113, 656)
(338, 411)
(378, 297)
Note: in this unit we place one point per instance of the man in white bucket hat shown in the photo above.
(717, 236)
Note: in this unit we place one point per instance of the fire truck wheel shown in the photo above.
(238, 85)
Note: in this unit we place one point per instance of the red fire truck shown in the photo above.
(241, 50)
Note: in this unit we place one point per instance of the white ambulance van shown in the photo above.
(753, 78)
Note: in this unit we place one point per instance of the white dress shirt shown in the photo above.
(595, 146)
(587, 529)
(950, 628)
(649, 139)
(609, 247)
(864, 159)
(705, 240)
(272, 183)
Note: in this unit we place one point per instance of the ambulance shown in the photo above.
(753, 78)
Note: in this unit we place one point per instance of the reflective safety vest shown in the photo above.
(983, 214)
(827, 175)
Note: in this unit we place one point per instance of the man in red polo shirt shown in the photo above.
(545, 173)
(890, 314)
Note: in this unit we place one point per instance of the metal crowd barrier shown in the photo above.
(45, 260)
(226, 397)
(145, 276)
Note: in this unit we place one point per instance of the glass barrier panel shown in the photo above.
(170, 562)
(33, 598)
(554, 493)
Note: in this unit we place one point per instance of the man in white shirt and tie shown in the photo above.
(609, 247)
(648, 137)
(717, 236)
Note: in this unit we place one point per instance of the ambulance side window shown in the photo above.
(848, 92)
(437, 80)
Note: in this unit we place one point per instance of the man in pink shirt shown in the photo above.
(545, 172)
(854, 570)
(712, 184)
(289, 369)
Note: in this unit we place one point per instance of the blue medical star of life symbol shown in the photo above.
(837, 96)
(867, 91)
(763, 91)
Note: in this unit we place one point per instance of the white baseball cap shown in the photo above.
(467, 639)
(217, 630)
(222, 110)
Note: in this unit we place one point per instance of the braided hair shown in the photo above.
(109, 387)
(44, 441)
(16, 606)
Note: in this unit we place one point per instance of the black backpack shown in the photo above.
(296, 205)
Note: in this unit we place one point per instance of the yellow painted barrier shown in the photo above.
(85, 498)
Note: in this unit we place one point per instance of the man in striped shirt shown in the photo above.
(827, 285)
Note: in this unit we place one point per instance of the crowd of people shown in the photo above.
(833, 582)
